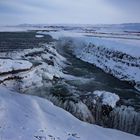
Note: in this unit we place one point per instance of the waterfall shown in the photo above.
(121, 117)
(78, 109)
(125, 119)
(90, 109)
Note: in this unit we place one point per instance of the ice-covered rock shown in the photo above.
(11, 66)
(107, 98)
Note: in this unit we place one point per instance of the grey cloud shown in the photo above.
(69, 11)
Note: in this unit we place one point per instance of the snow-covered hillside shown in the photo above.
(24, 117)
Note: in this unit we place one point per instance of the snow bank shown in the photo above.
(29, 118)
(108, 98)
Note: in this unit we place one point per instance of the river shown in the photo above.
(98, 79)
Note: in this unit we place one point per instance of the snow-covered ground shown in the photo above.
(25, 117)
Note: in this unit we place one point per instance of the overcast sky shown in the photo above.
(69, 11)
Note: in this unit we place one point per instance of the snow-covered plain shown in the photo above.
(25, 117)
